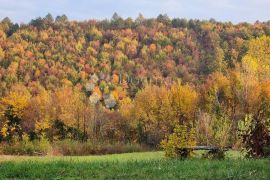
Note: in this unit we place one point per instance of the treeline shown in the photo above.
(136, 81)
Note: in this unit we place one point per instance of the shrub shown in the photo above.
(27, 147)
(180, 142)
(255, 134)
(214, 130)
(42, 146)
(23, 147)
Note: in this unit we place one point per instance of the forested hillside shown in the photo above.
(124, 80)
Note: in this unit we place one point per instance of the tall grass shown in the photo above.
(68, 148)
(77, 148)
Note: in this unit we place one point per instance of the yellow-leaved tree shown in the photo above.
(12, 108)
(159, 111)
(257, 59)
(183, 102)
(39, 111)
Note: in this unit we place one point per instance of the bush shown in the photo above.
(42, 146)
(27, 147)
(180, 142)
(23, 147)
(255, 134)
(214, 130)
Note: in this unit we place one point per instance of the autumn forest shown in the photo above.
(144, 83)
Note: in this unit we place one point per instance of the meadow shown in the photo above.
(146, 165)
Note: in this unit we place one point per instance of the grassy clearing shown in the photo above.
(149, 165)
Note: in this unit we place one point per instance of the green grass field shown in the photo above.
(148, 165)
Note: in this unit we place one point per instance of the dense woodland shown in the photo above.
(173, 82)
